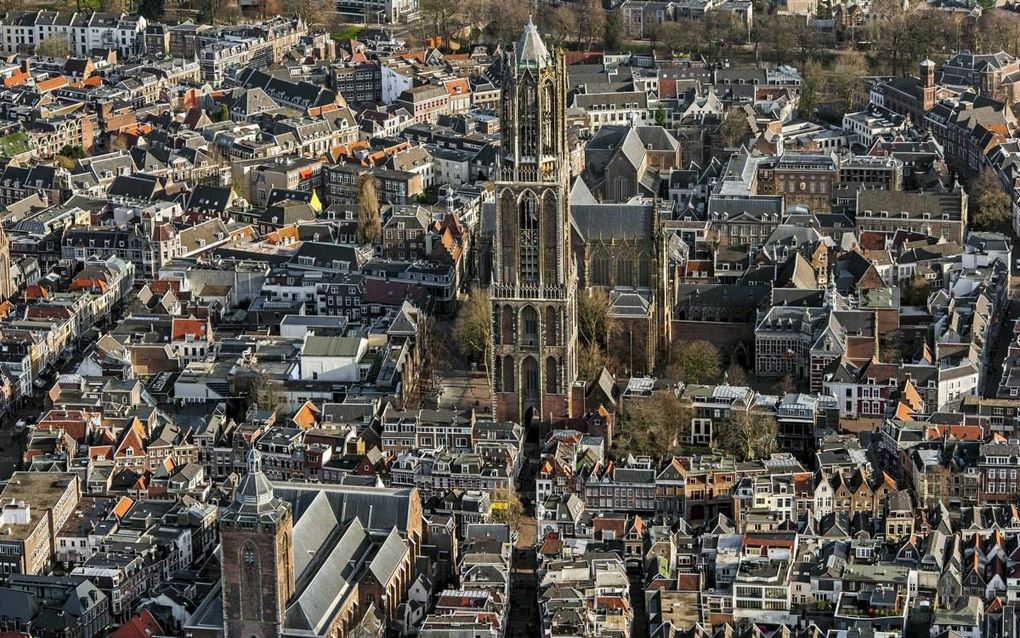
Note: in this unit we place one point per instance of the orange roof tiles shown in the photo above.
(120, 510)
(184, 327)
(285, 235)
(142, 625)
(307, 416)
(101, 452)
(51, 84)
(16, 79)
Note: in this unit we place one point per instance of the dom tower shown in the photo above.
(533, 289)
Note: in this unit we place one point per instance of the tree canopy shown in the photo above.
(694, 362)
(990, 204)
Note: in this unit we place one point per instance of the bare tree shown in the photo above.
(561, 23)
(269, 8)
(990, 203)
(264, 393)
(441, 15)
(813, 87)
(593, 318)
(999, 30)
(369, 229)
(54, 46)
(508, 18)
(747, 434)
(735, 375)
(734, 128)
(433, 357)
(590, 359)
(591, 21)
(506, 507)
(654, 427)
(472, 329)
(848, 78)
(684, 36)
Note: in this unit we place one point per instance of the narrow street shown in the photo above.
(1002, 342)
(524, 618)
(524, 612)
(637, 602)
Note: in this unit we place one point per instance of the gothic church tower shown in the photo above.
(257, 561)
(534, 286)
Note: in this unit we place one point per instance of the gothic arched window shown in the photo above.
(250, 586)
(625, 271)
(548, 139)
(529, 376)
(646, 271)
(552, 376)
(529, 326)
(528, 233)
(551, 326)
(508, 374)
(527, 109)
(506, 329)
(549, 238)
(508, 236)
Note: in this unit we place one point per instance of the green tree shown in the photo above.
(694, 362)
(990, 205)
(890, 349)
(612, 32)
(54, 46)
(660, 116)
(73, 152)
(594, 322)
(747, 434)
(369, 228)
(222, 114)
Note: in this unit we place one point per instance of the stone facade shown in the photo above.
(534, 284)
(256, 536)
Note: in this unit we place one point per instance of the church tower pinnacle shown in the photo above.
(257, 561)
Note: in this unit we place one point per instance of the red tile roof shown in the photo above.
(183, 327)
(142, 625)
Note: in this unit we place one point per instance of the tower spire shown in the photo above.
(534, 285)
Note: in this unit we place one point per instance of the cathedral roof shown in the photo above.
(530, 50)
